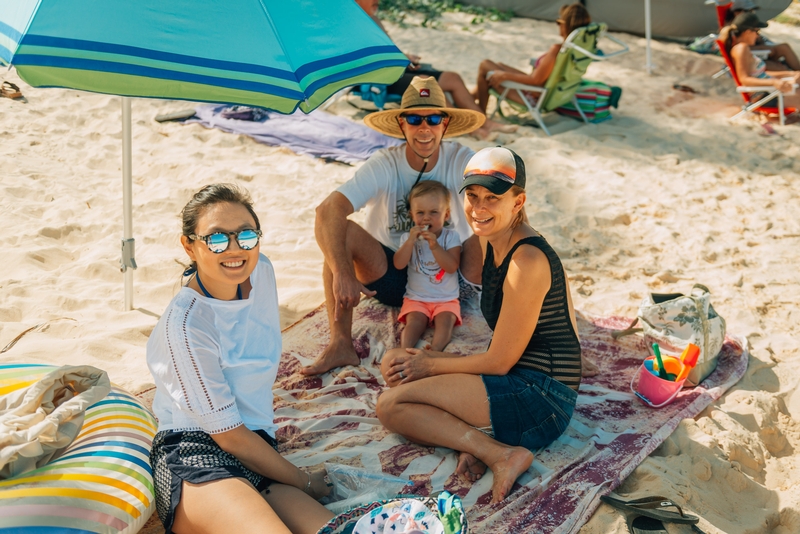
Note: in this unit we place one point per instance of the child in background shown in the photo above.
(432, 254)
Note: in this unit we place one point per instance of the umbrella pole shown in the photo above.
(127, 262)
(648, 34)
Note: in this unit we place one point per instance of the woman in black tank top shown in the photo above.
(499, 406)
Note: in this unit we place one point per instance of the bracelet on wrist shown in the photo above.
(308, 484)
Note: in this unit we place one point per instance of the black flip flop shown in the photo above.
(652, 507)
(639, 524)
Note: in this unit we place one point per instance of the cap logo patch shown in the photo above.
(424, 92)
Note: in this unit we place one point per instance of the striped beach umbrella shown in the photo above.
(276, 54)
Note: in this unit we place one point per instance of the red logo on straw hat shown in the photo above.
(424, 92)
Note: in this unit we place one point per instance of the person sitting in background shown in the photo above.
(570, 18)
(738, 39)
(781, 55)
(450, 82)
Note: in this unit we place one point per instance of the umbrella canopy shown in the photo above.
(276, 54)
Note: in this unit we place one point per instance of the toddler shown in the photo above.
(432, 254)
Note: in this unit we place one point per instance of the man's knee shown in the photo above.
(369, 258)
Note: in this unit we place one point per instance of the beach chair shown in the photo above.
(722, 13)
(374, 93)
(755, 106)
(574, 57)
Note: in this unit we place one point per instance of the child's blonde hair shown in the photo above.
(429, 187)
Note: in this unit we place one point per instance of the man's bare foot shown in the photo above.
(506, 471)
(335, 355)
(469, 467)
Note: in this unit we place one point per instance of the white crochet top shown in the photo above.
(214, 362)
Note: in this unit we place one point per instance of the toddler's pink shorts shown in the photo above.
(430, 309)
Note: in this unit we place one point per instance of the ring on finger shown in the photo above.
(402, 377)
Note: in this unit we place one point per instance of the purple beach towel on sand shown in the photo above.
(317, 134)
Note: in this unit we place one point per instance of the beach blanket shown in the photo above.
(317, 134)
(331, 418)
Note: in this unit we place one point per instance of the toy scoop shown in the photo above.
(689, 359)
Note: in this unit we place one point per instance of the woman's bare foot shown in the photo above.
(469, 467)
(490, 130)
(507, 469)
(495, 126)
(484, 134)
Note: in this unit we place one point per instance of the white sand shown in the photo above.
(666, 194)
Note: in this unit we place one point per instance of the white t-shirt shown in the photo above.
(214, 361)
(423, 270)
(382, 185)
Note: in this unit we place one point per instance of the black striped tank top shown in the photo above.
(554, 348)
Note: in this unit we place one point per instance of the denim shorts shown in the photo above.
(528, 408)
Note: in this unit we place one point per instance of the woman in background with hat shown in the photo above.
(498, 406)
(781, 55)
(738, 38)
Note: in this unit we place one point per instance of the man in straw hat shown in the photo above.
(359, 260)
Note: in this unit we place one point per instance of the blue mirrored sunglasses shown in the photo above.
(416, 120)
(218, 242)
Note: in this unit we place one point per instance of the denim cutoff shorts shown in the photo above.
(528, 408)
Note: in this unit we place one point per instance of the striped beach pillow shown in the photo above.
(102, 483)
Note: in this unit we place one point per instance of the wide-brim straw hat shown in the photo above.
(424, 94)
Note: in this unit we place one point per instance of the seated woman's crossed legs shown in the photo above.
(449, 411)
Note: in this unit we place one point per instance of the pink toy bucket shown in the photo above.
(654, 391)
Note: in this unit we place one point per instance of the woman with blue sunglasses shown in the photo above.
(214, 357)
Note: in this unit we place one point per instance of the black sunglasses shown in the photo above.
(416, 120)
(218, 242)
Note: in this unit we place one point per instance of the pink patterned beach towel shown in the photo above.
(332, 419)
